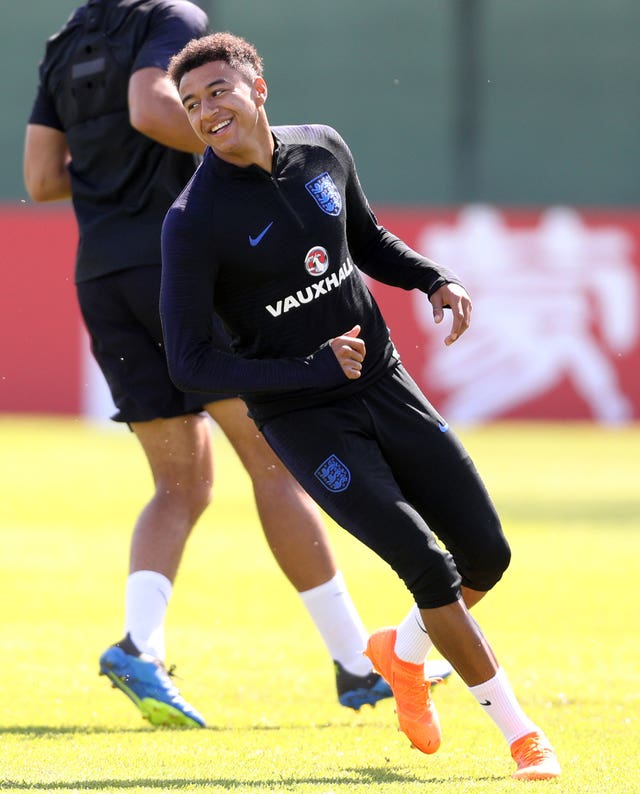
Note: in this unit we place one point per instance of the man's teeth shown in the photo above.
(220, 126)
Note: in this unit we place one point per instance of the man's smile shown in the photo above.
(219, 126)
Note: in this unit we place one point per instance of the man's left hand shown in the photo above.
(454, 297)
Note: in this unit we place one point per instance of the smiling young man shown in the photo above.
(270, 235)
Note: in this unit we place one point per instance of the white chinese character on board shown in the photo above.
(553, 302)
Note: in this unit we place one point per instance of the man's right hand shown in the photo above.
(350, 352)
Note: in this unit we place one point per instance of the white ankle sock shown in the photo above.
(332, 610)
(147, 599)
(499, 702)
(412, 641)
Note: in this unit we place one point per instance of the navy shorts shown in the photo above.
(122, 314)
(385, 466)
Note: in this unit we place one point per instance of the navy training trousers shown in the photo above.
(385, 466)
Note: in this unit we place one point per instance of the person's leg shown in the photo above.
(292, 524)
(458, 637)
(121, 314)
(449, 494)
(179, 453)
(386, 487)
(298, 540)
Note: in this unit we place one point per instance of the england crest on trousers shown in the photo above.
(333, 474)
(326, 194)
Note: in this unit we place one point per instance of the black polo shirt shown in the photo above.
(122, 182)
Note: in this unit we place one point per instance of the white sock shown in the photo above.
(336, 618)
(498, 701)
(412, 641)
(147, 599)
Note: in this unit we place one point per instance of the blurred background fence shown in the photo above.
(500, 138)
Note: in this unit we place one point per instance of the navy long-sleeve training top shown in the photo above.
(276, 256)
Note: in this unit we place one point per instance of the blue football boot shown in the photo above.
(147, 682)
(354, 691)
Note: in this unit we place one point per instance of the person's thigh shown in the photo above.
(290, 519)
(438, 477)
(179, 452)
(248, 442)
(334, 454)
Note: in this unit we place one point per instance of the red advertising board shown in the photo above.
(40, 325)
(555, 331)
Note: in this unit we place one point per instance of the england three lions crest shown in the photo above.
(333, 474)
(326, 194)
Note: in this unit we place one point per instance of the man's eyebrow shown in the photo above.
(208, 85)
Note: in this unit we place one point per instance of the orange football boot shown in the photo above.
(417, 715)
(535, 758)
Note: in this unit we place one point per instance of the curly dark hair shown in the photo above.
(233, 50)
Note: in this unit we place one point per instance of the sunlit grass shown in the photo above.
(563, 622)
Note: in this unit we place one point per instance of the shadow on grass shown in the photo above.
(62, 730)
(366, 775)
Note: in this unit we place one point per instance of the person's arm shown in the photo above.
(45, 164)
(187, 298)
(381, 254)
(388, 259)
(195, 365)
(155, 110)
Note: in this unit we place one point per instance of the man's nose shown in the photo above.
(208, 109)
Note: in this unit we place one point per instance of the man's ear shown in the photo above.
(261, 91)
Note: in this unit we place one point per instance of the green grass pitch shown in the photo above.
(564, 623)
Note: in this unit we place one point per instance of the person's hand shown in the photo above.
(456, 298)
(350, 352)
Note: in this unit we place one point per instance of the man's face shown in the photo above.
(223, 108)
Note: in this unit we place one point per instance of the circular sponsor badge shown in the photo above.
(317, 260)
